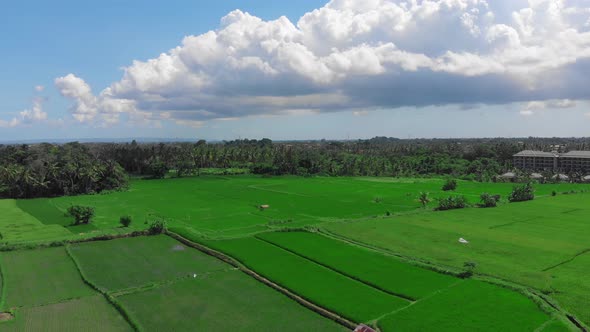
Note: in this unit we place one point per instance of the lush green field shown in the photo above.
(18, 226)
(88, 314)
(135, 262)
(223, 301)
(228, 206)
(469, 306)
(316, 283)
(543, 243)
(384, 272)
(39, 277)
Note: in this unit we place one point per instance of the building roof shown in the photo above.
(576, 154)
(531, 153)
(508, 175)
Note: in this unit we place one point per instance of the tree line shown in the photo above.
(44, 170)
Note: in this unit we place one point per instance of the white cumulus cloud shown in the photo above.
(356, 54)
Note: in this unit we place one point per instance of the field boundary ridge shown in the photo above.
(302, 301)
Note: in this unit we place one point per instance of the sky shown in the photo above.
(305, 69)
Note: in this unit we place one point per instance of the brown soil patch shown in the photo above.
(4, 316)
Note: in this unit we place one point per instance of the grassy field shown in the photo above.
(134, 262)
(543, 243)
(88, 314)
(39, 277)
(469, 306)
(18, 226)
(224, 301)
(316, 283)
(384, 272)
(228, 206)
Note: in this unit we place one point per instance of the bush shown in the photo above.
(469, 270)
(125, 221)
(157, 227)
(522, 193)
(554, 193)
(81, 214)
(489, 201)
(451, 184)
(451, 202)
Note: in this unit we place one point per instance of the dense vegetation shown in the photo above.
(47, 170)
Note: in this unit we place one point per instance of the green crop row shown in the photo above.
(322, 286)
(383, 272)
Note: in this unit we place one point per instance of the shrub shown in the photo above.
(451, 202)
(125, 221)
(451, 184)
(554, 193)
(489, 201)
(469, 269)
(522, 193)
(157, 227)
(81, 214)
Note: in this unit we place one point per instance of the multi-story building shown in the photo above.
(536, 160)
(573, 161)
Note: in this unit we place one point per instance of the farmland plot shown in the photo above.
(222, 301)
(134, 262)
(88, 314)
(39, 277)
(316, 283)
(384, 272)
(469, 306)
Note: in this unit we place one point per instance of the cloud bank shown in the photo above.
(356, 55)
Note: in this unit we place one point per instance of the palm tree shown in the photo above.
(424, 198)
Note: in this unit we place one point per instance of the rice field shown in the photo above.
(382, 272)
(40, 277)
(366, 263)
(88, 314)
(316, 283)
(220, 207)
(224, 301)
(469, 306)
(542, 244)
(136, 262)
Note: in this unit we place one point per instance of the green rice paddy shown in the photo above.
(374, 259)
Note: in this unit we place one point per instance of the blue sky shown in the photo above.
(418, 89)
